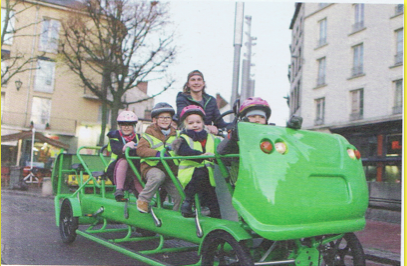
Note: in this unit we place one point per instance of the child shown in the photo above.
(159, 135)
(196, 176)
(254, 110)
(118, 169)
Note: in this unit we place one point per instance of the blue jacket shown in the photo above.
(210, 107)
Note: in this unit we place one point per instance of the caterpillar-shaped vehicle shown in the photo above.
(297, 199)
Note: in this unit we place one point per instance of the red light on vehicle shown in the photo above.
(357, 154)
(266, 146)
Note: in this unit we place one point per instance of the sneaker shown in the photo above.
(119, 195)
(186, 209)
(205, 211)
(142, 206)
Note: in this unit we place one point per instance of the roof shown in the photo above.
(38, 136)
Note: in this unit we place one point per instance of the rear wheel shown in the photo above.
(67, 222)
(220, 248)
(344, 251)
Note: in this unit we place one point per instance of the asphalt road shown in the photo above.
(29, 236)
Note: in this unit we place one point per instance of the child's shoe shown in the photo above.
(119, 195)
(186, 209)
(142, 206)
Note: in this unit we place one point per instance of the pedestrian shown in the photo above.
(159, 135)
(196, 175)
(194, 94)
(118, 169)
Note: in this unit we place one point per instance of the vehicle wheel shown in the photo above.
(220, 248)
(344, 251)
(67, 223)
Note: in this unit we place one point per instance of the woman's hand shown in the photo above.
(212, 129)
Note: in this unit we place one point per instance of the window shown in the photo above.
(8, 37)
(322, 5)
(356, 104)
(399, 9)
(398, 97)
(357, 60)
(49, 36)
(320, 111)
(322, 32)
(44, 77)
(4, 66)
(399, 46)
(321, 71)
(295, 98)
(359, 17)
(41, 111)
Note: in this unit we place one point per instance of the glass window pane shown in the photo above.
(41, 111)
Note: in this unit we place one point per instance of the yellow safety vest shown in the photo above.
(158, 145)
(187, 167)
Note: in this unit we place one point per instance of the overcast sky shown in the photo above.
(205, 32)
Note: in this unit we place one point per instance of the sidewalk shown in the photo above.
(381, 241)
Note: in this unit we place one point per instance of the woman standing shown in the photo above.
(194, 94)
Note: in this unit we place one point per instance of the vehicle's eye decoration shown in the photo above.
(280, 147)
(266, 146)
(354, 154)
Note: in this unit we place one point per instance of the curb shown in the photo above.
(383, 257)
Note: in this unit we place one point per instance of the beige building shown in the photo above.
(51, 98)
(346, 77)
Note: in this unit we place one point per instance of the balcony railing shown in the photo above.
(321, 41)
(357, 70)
(319, 121)
(23, 120)
(355, 116)
(398, 58)
(358, 26)
(397, 109)
(321, 80)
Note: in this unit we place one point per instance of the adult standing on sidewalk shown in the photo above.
(194, 94)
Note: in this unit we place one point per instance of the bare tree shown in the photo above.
(113, 45)
(17, 62)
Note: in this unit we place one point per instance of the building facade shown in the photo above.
(346, 77)
(48, 96)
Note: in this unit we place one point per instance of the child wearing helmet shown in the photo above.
(118, 169)
(196, 176)
(159, 135)
(253, 110)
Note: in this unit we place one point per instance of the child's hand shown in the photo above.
(212, 129)
(131, 145)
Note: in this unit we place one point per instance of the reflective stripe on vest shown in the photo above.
(187, 167)
(158, 145)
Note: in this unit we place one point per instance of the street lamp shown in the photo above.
(19, 83)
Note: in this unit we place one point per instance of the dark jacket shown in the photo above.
(116, 146)
(210, 107)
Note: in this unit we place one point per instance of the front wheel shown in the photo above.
(67, 222)
(344, 251)
(220, 248)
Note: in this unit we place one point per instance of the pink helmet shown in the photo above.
(127, 117)
(254, 103)
(192, 109)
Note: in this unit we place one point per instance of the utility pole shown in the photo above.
(237, 43)
(247, 82)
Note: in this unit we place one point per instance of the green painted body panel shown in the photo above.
(314, 188)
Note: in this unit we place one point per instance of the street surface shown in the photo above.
(29, 236)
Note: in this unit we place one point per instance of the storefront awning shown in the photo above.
(38, 136)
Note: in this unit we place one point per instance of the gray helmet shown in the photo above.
(161, 108)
